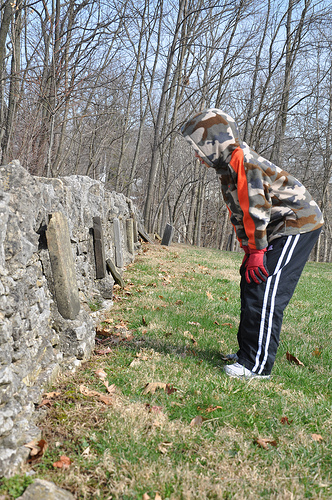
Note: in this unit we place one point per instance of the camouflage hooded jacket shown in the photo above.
(264, 201)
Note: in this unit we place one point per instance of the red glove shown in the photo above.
(256, 269)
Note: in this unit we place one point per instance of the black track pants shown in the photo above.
(263, 304)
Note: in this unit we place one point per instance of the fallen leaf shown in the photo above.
(209, 295)
(108, 320)
(51, 395)
(37, 450)
(146, 497)
(104, 351)
(216, 323)
(151, 387)
(317, 352)
(264, 443)
(45, 402)
(88, 392)
(213, 408)
(169, 389)
(317, 437)
(63, 463)
(101, 374)
(293, 359)
(86, 452)
(157, 497)
(104, 332)
(178, 303)
(111, 389)
(107, 400)
(164, 447)
(198, 420)
(104, 398)
(227, 324)
(190, 336)
(144, 321)
(194, 323)
(284, 420)
(155, 409)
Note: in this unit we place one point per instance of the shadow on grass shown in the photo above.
(212, 356)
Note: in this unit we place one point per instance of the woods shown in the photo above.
(102, 88)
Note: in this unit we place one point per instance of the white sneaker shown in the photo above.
(240, 371)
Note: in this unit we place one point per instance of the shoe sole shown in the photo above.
(248, 377)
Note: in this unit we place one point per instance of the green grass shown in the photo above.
(181, 306)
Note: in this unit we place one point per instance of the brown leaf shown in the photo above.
(63, 463)
(153, 409)
(108, 320)
(213, 408)
(45, 402)
(51, 395)
(198, 420)
(264, 443)
(37, 450)
(103, 332)
(151, 387)
(227, 324)
(317, 352)
(164, 447)
(284, 420)
(104, 351)
(209, 409)
(193, 340)
(216, 323)
(144, 321)
(178, 303)
(169, 389)
(293, 359)
(209, 295)
(104, 398)
(317, 437)
(157, 497)
(146, 497)
(101, 374)
(111, 389)
(88, 392)
(107, 400)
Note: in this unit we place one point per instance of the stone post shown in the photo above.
(63, 267)
(130, 235)
(168, 235)
(117, 243)
(98, 245)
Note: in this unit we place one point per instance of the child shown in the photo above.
(277, 224)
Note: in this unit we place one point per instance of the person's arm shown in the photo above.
(253, 199)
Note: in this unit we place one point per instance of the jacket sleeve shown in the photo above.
(253, 199)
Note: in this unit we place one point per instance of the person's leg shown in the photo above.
(263, 304)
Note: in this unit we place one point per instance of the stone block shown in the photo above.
(41, 489)
(63, 267)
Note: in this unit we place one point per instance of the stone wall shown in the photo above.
(35, 339)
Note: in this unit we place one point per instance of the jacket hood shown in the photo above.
(214, 135)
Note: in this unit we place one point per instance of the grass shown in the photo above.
(178, 312)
